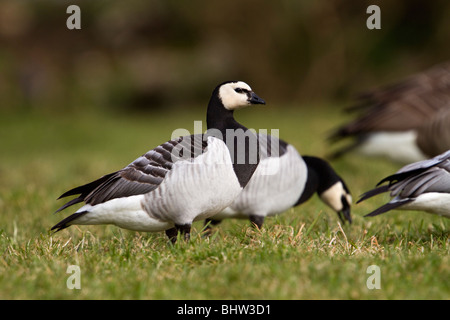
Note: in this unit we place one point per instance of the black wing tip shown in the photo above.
(390, 179)
(383, 209)
(70, 203)
(388, 207)
(380, 210)
(373, 192)
(85, 189)
(72, 192)
(66, 222)
(65, 194)
(58, 228)
(375, 213)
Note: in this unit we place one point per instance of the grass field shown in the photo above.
(302, 254)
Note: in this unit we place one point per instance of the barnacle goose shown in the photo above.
(422, 186)
(407, 121)
(182, 180)
(284, 179)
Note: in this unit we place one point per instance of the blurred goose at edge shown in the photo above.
(422, 186)
(407, 121)
(285, 179)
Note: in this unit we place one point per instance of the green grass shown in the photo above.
(302, 254)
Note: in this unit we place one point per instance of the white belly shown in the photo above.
(125, 213)
(397, 146)
(433, 202)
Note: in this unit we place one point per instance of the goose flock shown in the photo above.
(233, 172)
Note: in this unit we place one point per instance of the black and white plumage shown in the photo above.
(283, 180)
(422, 186)
(182, 180)
(407, 121)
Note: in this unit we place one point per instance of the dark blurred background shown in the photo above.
(166, 54)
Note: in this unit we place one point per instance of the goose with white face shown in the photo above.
(339, 199)
(236, 95)
(159, 191)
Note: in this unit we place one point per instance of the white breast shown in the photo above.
(275, 187)
(195, 189)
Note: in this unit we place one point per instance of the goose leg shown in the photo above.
(184, 229)
(257, 221)
(172, 234)
(208, 225)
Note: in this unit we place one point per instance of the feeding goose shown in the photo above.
(182, 180)
(423, 186)
(283, 180)
(398, 121)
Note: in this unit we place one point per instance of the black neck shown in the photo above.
(222, 119)
(217, 117)
(320, 177)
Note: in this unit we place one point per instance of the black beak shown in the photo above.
(254, 99)
(344, 214)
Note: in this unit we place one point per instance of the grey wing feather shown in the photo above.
(416, 185)
(426, 163)
(141, 176)
(411, 181)
(421, 177)
(433, 179)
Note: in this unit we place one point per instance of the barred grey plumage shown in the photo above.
(182, 180)
(424, 186)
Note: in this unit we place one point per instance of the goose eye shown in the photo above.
(239, 90)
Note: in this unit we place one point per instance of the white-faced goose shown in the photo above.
(182, 180)
(283, 180)
(423, 186)
(404, 121)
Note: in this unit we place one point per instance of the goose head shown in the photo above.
(237, 94)
(338, 198)
(226, 98)
(330, 187)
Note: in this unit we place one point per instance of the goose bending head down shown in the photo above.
(182, 180)
(284, 179)
(422, 186)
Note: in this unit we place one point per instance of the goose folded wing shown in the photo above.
(414, 169)
(141, 176)
(435, 179)
(425, 164)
